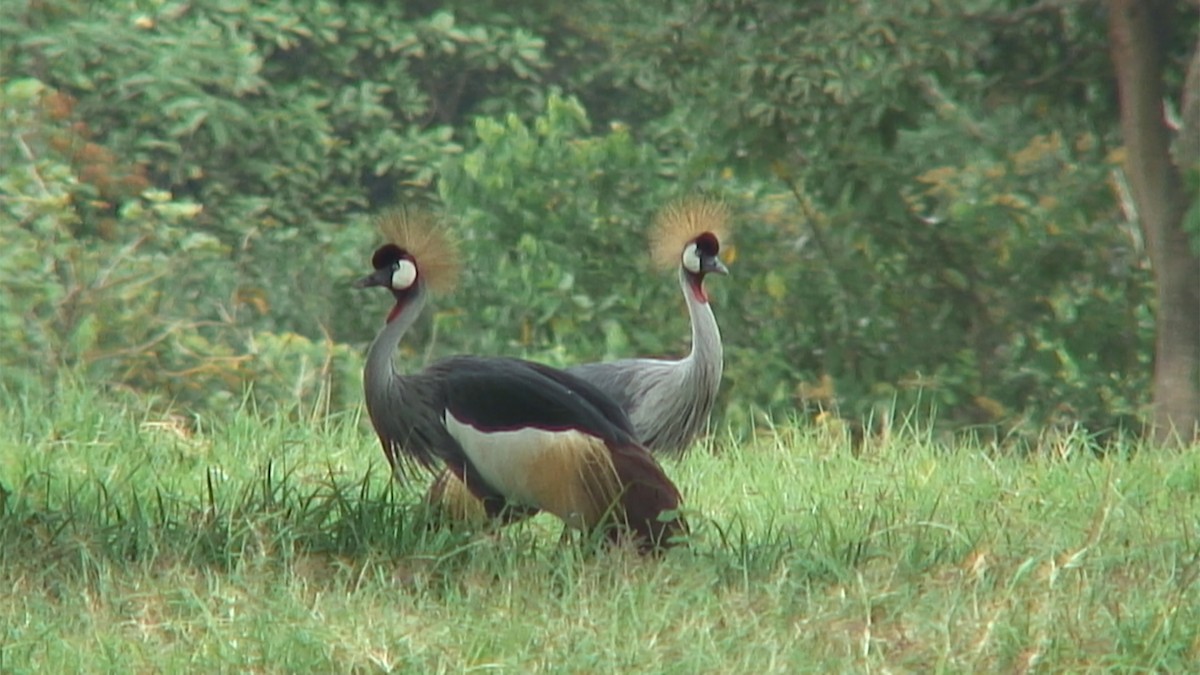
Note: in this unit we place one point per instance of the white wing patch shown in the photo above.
(568, 473)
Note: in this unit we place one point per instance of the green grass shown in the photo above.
(133, 543)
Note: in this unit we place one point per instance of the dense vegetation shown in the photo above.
(930, 211)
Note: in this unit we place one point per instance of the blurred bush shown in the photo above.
(112, 279)
(927, 214)
(557, 218)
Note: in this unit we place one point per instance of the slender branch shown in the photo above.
(167, 332)
(1017, 16)
(1185, 150)
(832, 264)
(27, 152)
(101, 281)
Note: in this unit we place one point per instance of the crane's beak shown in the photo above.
(376, 278)
(713, 265)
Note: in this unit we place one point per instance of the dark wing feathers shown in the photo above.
(496, 394)
(611, 409)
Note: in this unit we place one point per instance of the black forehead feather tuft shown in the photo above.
(708, 244)
(387, 255)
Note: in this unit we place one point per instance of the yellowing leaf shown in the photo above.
(729, 253)
(776, 289)
(1011, 201)
(936, 176)
(253, 296)
(990, 406)
(823, 390)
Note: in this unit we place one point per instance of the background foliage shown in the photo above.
(928, 207)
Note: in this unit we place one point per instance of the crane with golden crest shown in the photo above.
(667, 401)
(520, 436)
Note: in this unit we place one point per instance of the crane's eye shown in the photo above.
(691, 258)
(404, 274)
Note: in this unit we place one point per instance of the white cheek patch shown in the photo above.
(404, 275)
(691, 259)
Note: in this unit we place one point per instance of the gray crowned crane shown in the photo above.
(523, 437)
(668, 401)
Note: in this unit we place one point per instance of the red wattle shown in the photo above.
(395, 312)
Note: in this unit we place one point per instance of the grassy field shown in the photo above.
(135, 543)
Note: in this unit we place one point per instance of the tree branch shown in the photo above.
(1186, 148)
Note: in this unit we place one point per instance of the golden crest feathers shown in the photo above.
(427, 238)
(682, 221)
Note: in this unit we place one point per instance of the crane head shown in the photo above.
(395, 269)
(693, 228)
(419, 252)
(687, 235)
(700, 256)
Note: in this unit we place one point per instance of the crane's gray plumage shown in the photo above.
(668, 402)
(402, 410)
(521, 436)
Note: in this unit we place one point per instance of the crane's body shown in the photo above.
(668, 401)
(521, 436)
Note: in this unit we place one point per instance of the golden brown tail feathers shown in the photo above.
(646, 507)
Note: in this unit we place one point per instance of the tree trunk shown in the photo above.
(1158, 191)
